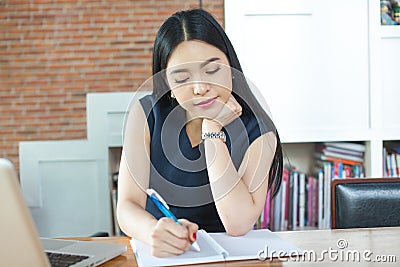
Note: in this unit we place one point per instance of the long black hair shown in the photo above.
(198, 24)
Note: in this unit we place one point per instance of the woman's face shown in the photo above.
(200, 77)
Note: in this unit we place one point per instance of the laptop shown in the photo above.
(20, 244)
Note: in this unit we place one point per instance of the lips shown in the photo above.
(206, 103)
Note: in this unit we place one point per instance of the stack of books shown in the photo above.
(346, 159)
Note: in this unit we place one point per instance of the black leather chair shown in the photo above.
(365, 202)
(100, 234)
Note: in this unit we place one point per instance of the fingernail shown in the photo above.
(194, 237)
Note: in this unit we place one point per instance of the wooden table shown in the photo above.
(342, 247)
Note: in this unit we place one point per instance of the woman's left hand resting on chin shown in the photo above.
(239, 195)
(231, 111)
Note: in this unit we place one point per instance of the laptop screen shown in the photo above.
(20, 245)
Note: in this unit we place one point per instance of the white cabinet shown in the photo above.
(326, 68)
(308, 58)
(390, 73)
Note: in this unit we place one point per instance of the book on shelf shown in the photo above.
(339, 156)
(325, 147)
(302, 200)
(320, 198)
(327, 193)
(281, 209)
(350, 146)
(285, 201)
(314, 201)
(274, 218)
(322, 157)
(290, 204)
(391, 162)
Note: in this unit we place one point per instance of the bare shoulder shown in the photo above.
(136, 121)
(136, 111)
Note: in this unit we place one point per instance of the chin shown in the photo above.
(209, 113)
(203, 114)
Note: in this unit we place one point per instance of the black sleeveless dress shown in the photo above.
(178, 171)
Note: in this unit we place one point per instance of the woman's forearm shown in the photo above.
(234, 201)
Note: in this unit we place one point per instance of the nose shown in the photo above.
(200, 88)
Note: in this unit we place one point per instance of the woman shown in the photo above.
(201, 140)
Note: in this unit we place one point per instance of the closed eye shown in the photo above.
(213, 71)
(182, 80)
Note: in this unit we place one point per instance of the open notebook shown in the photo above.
(220, 247)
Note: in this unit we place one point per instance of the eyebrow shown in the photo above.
(179, 71)
(202, 65)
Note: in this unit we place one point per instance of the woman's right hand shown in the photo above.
(170, 239)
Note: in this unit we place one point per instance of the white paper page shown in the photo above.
(207, 254)
(248, 246)
(214, 245)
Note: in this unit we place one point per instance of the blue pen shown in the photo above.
(164, 208)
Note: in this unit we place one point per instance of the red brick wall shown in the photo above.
(54, 52)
